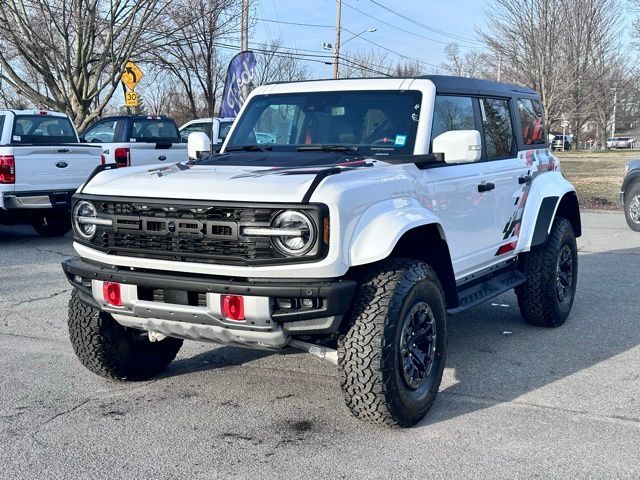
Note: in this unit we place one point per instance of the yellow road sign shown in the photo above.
(131, 99)
(131, 75)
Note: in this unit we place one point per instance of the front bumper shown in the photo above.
(188, 306)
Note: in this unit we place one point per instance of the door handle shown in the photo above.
(525, 179)
(485, 187)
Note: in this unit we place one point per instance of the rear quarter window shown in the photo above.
(498, 131)
(532, 121)
(152, 130)
(42, 130)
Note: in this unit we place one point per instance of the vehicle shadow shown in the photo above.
(217, 357)
(495, 357)
(20, 234)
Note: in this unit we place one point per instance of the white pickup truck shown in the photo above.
(133, 140)
(216, 128)
(42, 164)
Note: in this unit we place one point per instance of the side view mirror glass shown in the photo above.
(198, 145)
(459, 146)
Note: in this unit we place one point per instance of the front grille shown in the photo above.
(189, 232)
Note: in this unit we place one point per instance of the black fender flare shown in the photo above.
(551, 207)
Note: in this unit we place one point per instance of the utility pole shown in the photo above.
(613, 119)
(499, 67)
(336, 58)
(244, 33)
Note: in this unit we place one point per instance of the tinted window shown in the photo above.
(498, 132)
(103, 132)
(195, 127)
(531, 121)
(374, 122)
(452, 113)
(224, 130)
(42, 129)
(152, 130)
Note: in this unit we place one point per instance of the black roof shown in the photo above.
(476, 86)
(450, 84)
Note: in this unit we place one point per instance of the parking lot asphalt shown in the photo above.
(515, 401)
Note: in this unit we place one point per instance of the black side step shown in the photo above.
(492, 287)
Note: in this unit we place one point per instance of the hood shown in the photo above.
(221, 182)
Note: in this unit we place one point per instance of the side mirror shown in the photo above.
(459, 146)
(198, 144)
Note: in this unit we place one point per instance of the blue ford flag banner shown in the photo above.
(238, 83)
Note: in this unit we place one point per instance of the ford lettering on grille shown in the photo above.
(175, 227)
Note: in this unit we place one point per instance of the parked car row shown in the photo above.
(43, 159)
(621, 142)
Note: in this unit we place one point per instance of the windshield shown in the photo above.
(371, 122)
(154, 130)
(43, 130)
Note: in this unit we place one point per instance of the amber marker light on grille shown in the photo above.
(326, 228)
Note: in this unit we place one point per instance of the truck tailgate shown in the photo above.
(54, 167)
(150, 153)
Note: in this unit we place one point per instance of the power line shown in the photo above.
(275, 10)
(431, 29)
(394, 51)
(295, 23)
(308, 57)
(396, 27)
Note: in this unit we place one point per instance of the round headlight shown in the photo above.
(82, 211)
(301, 233)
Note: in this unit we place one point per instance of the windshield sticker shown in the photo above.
(16, 138)
(401, 140)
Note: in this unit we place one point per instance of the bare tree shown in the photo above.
(274, 63)
(408, 69)
(468, 64)
(190, 53)
(591, 47)
(368, 63)
(75, 48)
(526, 35)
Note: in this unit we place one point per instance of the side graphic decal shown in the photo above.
(537, 162)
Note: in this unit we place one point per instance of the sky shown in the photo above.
(457, 18)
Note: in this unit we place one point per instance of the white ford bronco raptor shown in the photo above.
(382, 207)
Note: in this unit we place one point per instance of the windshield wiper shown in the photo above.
(328, 148)
(248, 148)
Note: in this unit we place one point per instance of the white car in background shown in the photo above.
(216, 128)
(625, 142)
(134, 140)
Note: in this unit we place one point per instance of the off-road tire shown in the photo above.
(371, 374)
(632, 193)
(538, 298)
(113, 351)
(52, 224)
